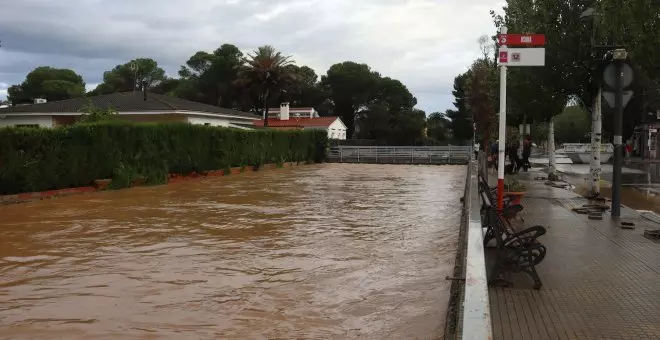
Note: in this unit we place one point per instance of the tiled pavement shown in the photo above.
(600, 281)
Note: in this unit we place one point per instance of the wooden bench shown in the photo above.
(516, 251)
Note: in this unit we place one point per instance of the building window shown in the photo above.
(27, 125)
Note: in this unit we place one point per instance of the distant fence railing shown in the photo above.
(400, 154)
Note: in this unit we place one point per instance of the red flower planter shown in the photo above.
(517, 196)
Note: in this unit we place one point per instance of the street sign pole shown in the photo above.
(502, 132)
(619, 59)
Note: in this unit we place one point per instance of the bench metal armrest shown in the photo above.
(533, 232)
(511, 210)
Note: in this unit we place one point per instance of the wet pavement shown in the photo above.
(331, 251)
(600, 281)
(640, 181)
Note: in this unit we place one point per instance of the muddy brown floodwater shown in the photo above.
(331, 251)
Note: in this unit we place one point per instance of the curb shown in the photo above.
(172, 178)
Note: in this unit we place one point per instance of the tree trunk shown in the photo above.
(552, 168)
(596, 126)
(266, 107)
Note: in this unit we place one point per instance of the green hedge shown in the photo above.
(44, 159)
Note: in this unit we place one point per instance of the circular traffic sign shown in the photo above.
(609, 75)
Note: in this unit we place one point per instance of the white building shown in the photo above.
(131, 106)
(300, 112)
(303, 119)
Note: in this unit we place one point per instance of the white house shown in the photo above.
(132, 106)
(284, 121)
(300, 112)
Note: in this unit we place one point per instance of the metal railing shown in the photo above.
(401, 154)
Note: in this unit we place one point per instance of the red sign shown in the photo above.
(504, 57)
(521, 39)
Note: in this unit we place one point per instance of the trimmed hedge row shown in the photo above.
(46, 159)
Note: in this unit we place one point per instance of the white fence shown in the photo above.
(401, 154)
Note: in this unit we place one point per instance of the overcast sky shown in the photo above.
(423, 43)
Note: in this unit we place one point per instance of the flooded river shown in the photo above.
(331, 251)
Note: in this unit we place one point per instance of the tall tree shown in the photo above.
(131, 76)
(211, 77)
(480, 98)
(48, 83)
(350, 87)
(305, 91)
(265, 71)
(438, 127)
(461, 118)
(392, 127)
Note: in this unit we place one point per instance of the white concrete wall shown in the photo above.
(42, 121)
(337, 130)
(212, 121)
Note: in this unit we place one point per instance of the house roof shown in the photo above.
(125, 101)
(301, 122)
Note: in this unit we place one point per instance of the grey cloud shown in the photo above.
(424, 43)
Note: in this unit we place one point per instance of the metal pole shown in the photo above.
(502, 132)
(619, 58)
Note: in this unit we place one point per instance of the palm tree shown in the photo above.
(266, 69)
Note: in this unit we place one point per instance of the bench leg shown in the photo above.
(533, 257)
(499, 269)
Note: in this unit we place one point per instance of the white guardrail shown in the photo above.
(401, 154)
(476, 303)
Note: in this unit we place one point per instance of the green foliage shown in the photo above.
(45, 159)
(461, 118)
(350, 86)
(131, 76)
(511, 184)
(49, 83)
(264, 74)
(438, 127)
(400, 127)
(475, 98)
(210, 77)
(573, 126)
(304, 90)
(93, 114)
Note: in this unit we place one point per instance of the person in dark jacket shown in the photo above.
(512, 152)
(526, 152)
(494, 149)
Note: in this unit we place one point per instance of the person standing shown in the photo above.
(526, 152)
(494, 149)
(513, 156)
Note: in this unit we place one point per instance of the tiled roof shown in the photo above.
(301, 122)
(126, 101)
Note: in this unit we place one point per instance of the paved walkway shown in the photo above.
(600, 281)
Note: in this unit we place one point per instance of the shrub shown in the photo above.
(73, 156)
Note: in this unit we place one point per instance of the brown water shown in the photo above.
(329, 251)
